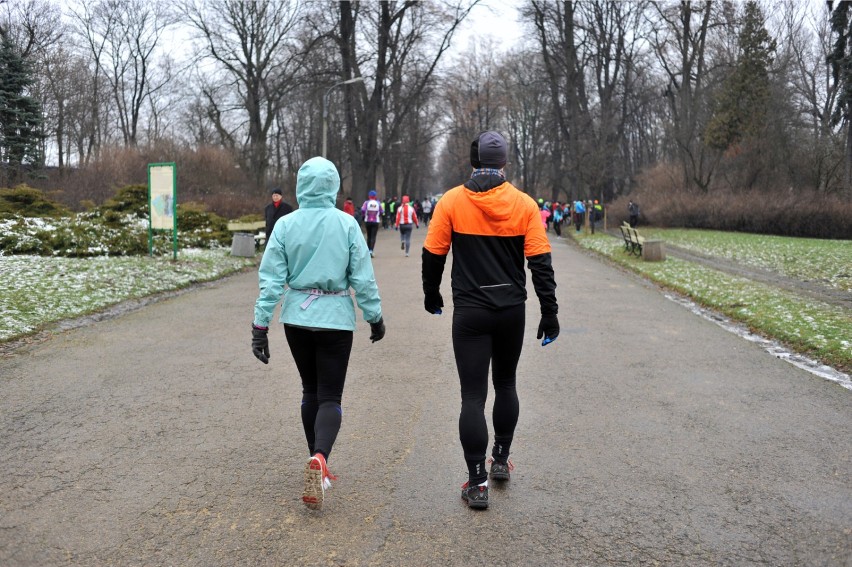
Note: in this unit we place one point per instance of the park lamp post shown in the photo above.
(325, 109)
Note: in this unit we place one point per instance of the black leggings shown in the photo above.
(482, 337)
(322, 358)
(372, 229)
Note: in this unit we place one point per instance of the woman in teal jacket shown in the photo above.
(319, 253)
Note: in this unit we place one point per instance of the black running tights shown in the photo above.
(372, 229)
(322, 358)
(482, 337)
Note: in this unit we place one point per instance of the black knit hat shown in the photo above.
(489, 149)
(277, 190)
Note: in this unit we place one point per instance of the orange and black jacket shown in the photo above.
(491, 227)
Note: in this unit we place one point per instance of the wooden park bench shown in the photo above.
(651, 250)
(625, 235)
(633, 241)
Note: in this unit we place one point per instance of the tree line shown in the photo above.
(597, 98)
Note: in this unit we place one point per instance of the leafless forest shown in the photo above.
(690, 108)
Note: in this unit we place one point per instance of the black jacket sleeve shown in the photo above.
(433, 271)
(544, 282)
(269, 216)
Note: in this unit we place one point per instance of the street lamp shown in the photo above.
(325, 109)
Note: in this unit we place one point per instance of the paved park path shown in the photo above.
(647, 435)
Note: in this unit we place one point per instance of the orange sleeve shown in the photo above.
(440, 234)
(535, 239)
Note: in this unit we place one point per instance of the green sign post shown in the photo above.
(162, 202)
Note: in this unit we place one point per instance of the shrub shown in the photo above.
(119, 227)
(208, 175)
(132, 199)
(200, 229)
(782, 212)
(28, 202)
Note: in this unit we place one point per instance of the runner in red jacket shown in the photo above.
(406, 217)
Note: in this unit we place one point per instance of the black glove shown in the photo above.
(260, 343)
(548, 328)
(433, 302)
(377, 330)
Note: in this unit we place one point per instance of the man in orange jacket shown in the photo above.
(491, 227)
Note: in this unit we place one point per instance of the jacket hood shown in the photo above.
(317, 184)
(498, 202)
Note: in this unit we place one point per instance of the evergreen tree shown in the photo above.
(741, 109)
(20, 114)
(840, 59)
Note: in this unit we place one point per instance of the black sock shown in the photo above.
(500, 452)
(476, 473)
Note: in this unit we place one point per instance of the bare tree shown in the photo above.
(592, 55)
(127, 65)
(474, 100)
(613, 32)
(259, 54)
(528, 111)
(32, 25)
(60, 83)
(558, 40)
(409, 35)
(804, 54)
(94, 23)
(680, 38)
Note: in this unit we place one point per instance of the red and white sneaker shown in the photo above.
(317, 481)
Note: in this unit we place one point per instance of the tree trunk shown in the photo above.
(847, 174)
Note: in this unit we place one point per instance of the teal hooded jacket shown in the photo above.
(317, 247)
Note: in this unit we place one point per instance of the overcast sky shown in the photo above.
(498, 18)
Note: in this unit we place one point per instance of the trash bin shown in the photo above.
(654, 251)
(242, 245)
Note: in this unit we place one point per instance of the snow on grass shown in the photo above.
(827, 262)
(36, 290)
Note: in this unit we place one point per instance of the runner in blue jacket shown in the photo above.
(318, 253)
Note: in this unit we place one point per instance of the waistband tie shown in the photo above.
(314, 294)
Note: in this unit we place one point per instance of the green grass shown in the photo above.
(827, 262)
(807, 326)
(37, 291)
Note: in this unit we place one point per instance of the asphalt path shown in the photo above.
(647, 435)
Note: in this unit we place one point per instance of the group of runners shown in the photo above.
(391, 205)
(317, 254)
(556, 214)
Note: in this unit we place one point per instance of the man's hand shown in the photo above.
(377, 330)
(433, 302)
(260, 343)
(548, 329)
